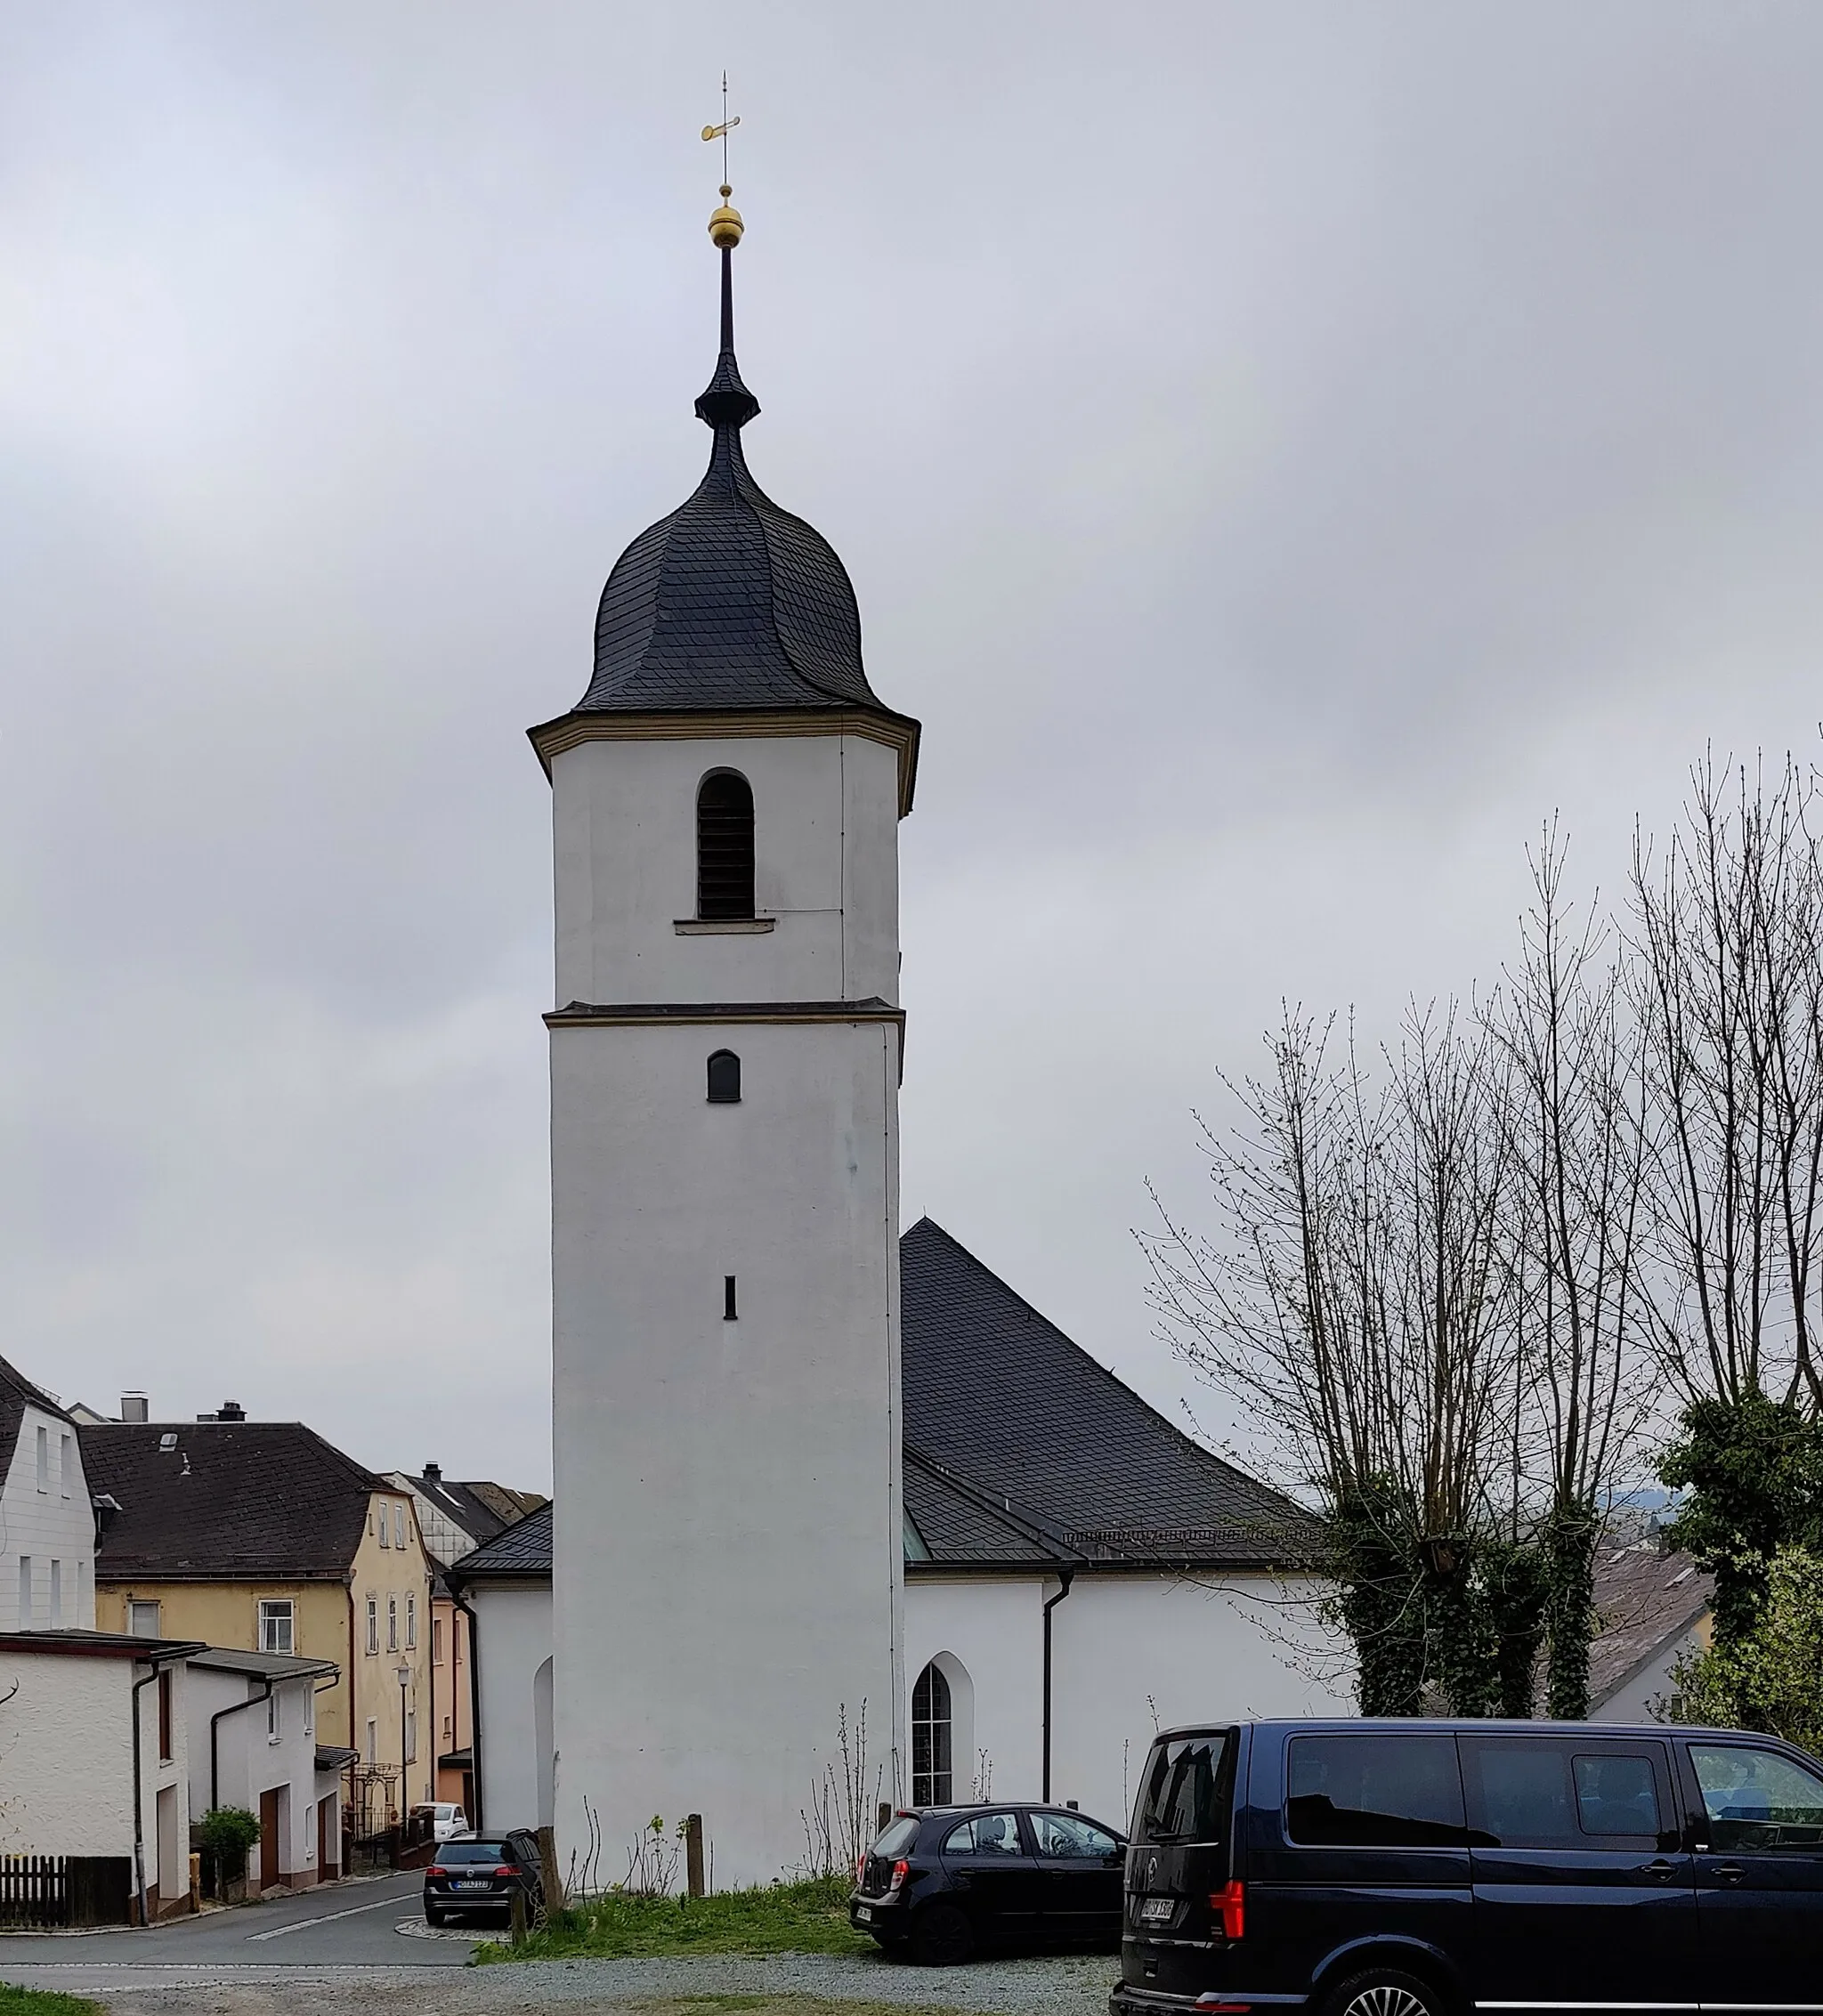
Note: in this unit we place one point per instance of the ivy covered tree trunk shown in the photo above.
(1517, 1580)
(1382, 1605)
(1569, 1543)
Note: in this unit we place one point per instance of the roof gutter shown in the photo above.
(1066, 1576)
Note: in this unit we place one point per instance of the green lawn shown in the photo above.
(37, 2002)
(806, 1917)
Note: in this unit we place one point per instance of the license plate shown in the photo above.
(472, 1886)
(1156, 1910)
(864, 1912)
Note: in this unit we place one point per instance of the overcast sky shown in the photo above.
(1283, 451)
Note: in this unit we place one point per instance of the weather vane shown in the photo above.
(724, 226)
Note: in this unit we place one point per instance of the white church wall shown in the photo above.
(825, 811)
(727, 1538)
(1128, 1648)
(994, 1629)
(513, 1642)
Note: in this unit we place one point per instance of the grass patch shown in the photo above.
(772, 2005)
(805, 1917)
(40, 2002)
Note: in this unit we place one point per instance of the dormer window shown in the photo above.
(725, 847)
(723, 1079)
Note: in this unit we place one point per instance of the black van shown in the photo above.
(1430, 1868)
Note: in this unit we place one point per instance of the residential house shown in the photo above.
(259, 1536)
(1078, 1571)
(94, 1738)
(1654, 1608)
(253, 1744)
(47, 1525)
(455, 1520)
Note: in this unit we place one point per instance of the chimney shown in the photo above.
(433, 1473)
(135, 1407)
(232, 1410)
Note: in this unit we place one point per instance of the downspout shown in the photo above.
(352, 1744)
(234, 1708)
(139, 1817)
(1065, 1578)
(473, 1691)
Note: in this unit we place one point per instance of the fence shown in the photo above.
(52, 1891)
(406, 1844)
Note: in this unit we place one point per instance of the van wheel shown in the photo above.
(1384, 1991)
(942, 1938)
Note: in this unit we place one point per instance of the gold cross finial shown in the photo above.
(725, 227)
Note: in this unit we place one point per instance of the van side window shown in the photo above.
(1535, 1793)
(1757, 1800)
(1374, 1792)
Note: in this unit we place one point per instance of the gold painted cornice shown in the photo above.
(895, 731)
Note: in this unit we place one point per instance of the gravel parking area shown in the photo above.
(775, 1985)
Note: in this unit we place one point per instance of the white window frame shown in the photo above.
(56, 1595)
(399, 1526)
(411, 1623)
(386, 1528)
(138, 1605)
(373, 1626)
(66, 1464)
(275, 1715)
(25, 1592)
(411, 1736)
(274, 1610)
(44, 1449)
(392, 1624)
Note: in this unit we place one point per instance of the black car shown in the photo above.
(1425, 1868)
(481, 1875)
(941, 1881)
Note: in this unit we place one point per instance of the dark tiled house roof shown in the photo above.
(230, 1499)
(17, 1393)
(1645, 1602)
(1000, 1397)
(1022, 1453)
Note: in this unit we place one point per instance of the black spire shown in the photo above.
(726, 402)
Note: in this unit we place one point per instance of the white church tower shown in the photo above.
(725, 1072)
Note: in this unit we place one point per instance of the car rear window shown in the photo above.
(1187, 1790)
(473, 1851)
(1374, 1792)
(897, 1838)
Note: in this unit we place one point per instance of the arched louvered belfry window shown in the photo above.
(725, 847)
(723, 1079)
(932, 1776)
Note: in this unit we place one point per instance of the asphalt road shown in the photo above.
(350, 1925)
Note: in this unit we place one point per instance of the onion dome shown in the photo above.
(730, 602)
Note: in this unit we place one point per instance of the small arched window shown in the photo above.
(724, 846)
(932, 1728)
(723, 1079)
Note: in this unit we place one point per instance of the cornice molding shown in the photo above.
(895, 731)
(653, 1014)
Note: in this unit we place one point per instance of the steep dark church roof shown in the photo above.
(729, 603)
(1023, 1454)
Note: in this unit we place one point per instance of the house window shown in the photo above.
(43, 1459)
(725, 847)
(277, 1627)
(165, 1715)
(730, 1314)
(392, 1624)
(410, 1623)
(275, 1715)
(56, 1596)
(398, 1526)
(436, 1641)
(931, 1726)
(310, 1710)
(723, 1079)
(373, 1624)
(373, 1741)
(386, 1528)
(143, 1619)
(25, 1592)
(66, 1464)
(410, 1737)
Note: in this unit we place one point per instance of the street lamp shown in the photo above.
(404, 1673)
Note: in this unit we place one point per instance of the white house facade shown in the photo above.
(47, 1524)
(725, 1074)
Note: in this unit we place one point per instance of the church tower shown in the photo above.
(725, 1071)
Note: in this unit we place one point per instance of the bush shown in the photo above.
(224, 1835)
(1770, 1679)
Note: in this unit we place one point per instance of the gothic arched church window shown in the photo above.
(724, 846)
(723, 1079)
(932, 1778)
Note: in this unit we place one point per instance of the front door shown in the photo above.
(992, 1876)
(269, 1839)
(1583, 1892)
(1079, 1877)
(1759, 1866)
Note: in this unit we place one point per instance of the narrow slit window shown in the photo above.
(725, 847)
(730, 1314)
(723, 1079)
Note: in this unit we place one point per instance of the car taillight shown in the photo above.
(1231, 1902)
(505, 1869)
(436, 1869)
(860, 1868)
(901, 1870)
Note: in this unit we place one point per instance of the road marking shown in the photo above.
(328, 1918)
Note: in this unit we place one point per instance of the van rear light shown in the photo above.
(1230, 1903)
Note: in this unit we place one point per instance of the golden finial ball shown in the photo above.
(724, 226)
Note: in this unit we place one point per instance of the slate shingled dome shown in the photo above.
(730, 602)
